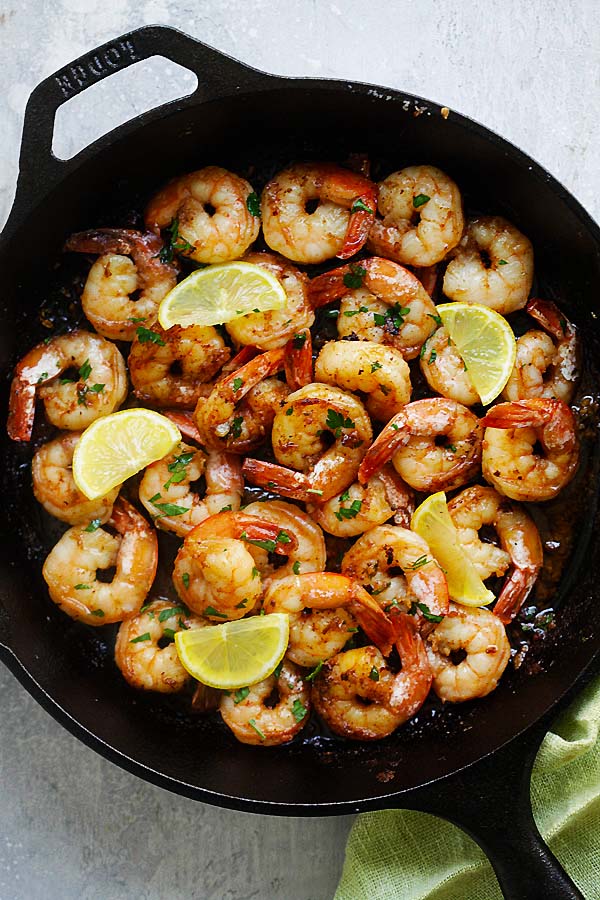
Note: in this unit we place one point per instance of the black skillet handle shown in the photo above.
(218, 75)
(491, 802)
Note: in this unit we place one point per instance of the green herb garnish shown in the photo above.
(253, 204)
(141, 637)
(354, 278)
(240, 695)
(298, 710)
(420, 200)
(315, 671)
(335, 421)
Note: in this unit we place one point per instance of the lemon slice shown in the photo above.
(234, 654)
(115, 447)
(431, 521)
(220, 293)
(486, 343)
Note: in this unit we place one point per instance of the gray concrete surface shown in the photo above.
(71, 824)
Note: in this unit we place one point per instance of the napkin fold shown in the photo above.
(406, 855)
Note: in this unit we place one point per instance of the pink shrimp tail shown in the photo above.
(328, 288)
(514, 593)
(298, 361)
(428, 276)
(394, 435)
(21, 409)
(185, 423)
(522, 413)
(276, 478)
(245, 355)
(550, 317)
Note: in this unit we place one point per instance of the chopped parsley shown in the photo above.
(393, 318)
(418, 563)
(348, 512)
(98, 612)
(141, 637)
(427, 614)
(360, 205)
(211, 611)
(252, 724)
(83, 587)
(423, 350)
(355, 312)
(432, 357)
(169, 633)
(270, 546)
(167, 509)
(354, 278)
(44, 376)
(375, 366)
(437, 319)
(299, 340)
(289, 411)
(335, 421)
(242, 604)
(420, 200)
(85, 371)
(312, 675)
(165, 614)
(298, 710)
(240, 695)
(502, 262)
(174, 243)
(177, 468)
(296, 567)
(93, 526)
(235, 428)
(237, 383)
(451, 448)
(145, 335)
(316, 491)
(374, 674)
(253, 204)
(226, 508)
(255, 573)
(186, 579)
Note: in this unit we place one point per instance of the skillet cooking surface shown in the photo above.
(255, 135)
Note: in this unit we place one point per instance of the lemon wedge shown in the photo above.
(485, 342)
(220, 293)
(235, 654)
(431, 521)
(115, 447)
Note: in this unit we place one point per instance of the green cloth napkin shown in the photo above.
(405, 855)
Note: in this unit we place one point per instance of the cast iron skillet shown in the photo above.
(469, 764)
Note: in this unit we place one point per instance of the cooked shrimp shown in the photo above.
(210, 208)
(505, 283)
(215, 571)
(520, 544)
(166, 493)
(54, 486)
(298, 365)
(381, 302)
(434, 445)
(239, 412)
(481, 636)
(369, 368)
(545, 367)
(511, 462)
(308, 553)
(445, 371)
(175, 367)
(422, 217)
(273, 329)
(108, 296)
(98, 385)
(143, 662)
(255, 717)
(358, 695)
(362, 506)
(337, 227)
(70, 569)
(398, 568)
(302, 433)
(323, 609)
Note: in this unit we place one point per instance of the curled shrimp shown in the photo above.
(362, 506)
(174, 367)
(361, 698)
(368, 368)
(70, 569)
(320, 432)
(339, 225)
(548, 362)
(520, 544)
(166, 493)
(480, 635)
(445, 371)
(143, 662)
(434, 445)
(210, 209)
(381, 302)
(97, 387)
(323, 608)
(421, 217)
(492, 265)
(273, 329)
(511, 461)
(129, 264)
(307, 554)
(54, 486)
(271, 712)
(215, 571)
(239, 411)
(398, 568)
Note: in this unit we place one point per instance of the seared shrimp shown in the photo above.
(71, 566)
(434, 445)
(238, 413)
(174, 367)
(444, 369)
(273, 329)
(143, 662)
(422, 217)
(211, 208)
(361, 698)
(480, 635)
(505, 282)
(520, 544)
(255, 717)
(381, 302)
(97, 387)
(54, 486)
(337, 227)
(547, 364)
(321, 433)
(364, 366)
(511, 462)
(129, 265)
(215, 571)
(377, 556)
(166, 493)
(308, 553)
(362, 506)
